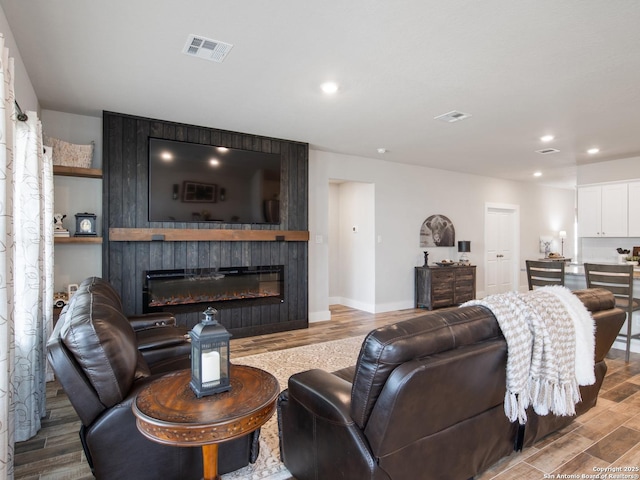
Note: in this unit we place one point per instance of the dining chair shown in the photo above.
(618, 279)
(544, 273)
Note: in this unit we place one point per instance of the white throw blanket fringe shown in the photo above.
(550, 344)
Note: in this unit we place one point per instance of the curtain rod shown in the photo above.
(21, 115)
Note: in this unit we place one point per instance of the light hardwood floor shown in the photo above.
(607, 435)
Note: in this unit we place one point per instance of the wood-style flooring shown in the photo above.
(606, 436)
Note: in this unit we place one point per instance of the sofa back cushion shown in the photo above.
(102, 341)
(424, 401)
(388, 347)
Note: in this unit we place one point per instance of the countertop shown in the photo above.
(576, 269)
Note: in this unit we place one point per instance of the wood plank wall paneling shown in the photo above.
(125, 205)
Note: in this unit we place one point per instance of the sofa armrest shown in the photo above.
(152, 320)
(323, 394)
(318, 437)
(608, 325)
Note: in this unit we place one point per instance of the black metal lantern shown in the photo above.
(209, 356)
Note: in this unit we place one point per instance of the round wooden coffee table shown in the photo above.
(167, 411)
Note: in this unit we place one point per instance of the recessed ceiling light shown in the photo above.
(547, 138)
(537, 174)
(382, 150)
(329, 87)
(166, 156)
(222, 149)
(214, 161)
(593, 151)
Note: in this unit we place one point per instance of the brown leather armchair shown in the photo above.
(425, 400)
(163, 344)
(94, 353)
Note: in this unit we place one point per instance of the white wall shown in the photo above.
(355, 233)
(610, 171)
(334, 243)
(25, 94)
(405, 195)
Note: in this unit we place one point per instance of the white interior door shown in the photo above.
(501, 255)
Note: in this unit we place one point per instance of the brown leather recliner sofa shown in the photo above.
(424, 401)
(102, 362)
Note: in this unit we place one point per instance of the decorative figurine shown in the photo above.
(57, 221)
(60, 299)
(58, 227)
(426, 259)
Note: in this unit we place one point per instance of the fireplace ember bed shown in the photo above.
(191, 289)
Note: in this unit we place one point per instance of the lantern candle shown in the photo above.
(210, 367)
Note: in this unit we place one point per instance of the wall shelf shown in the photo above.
(205, 235)
(77, 240)
(77, 172)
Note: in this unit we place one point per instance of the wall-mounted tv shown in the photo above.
(191, 182)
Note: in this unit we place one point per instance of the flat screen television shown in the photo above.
(191, 182)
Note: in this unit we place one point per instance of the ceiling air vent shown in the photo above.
(451, 117)
(206, 48)
(547, 151)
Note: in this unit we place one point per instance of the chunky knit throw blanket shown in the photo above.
(550, 345)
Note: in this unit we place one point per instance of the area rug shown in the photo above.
(282, 364)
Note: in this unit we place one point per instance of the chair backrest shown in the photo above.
(544, 273)
(618, 279)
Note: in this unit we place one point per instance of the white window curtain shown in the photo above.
(26, 270)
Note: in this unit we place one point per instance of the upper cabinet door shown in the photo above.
(614, 210)
(602, 210)
(589, 211)
(634, 209)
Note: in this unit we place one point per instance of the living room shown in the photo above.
(365, 210)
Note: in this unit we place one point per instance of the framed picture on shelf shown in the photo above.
(194, 192)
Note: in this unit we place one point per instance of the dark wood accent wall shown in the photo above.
(125, 205)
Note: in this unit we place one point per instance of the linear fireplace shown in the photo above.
(188, 290)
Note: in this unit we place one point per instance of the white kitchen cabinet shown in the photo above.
(634, 209)
(602, 210)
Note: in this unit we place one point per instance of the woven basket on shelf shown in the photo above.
(69, 154)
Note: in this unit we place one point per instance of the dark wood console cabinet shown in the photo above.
(444, 286)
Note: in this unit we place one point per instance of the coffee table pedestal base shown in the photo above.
(210, 461)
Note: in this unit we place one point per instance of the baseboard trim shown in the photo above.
(319, 316)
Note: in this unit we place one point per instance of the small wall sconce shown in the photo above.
(176, 189)
(464, 247)
(223, 194)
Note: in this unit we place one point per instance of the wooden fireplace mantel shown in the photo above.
(205, 235)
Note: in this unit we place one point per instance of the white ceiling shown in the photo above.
(522, 69)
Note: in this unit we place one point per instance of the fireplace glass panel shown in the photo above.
(221, 287)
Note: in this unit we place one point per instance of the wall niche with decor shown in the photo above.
(134, 246)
